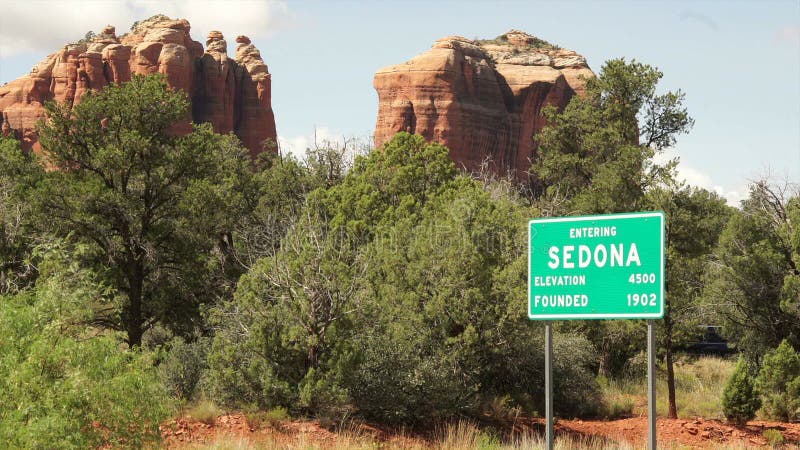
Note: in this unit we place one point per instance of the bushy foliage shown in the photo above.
(282, 184)
(18, 172)
(598, 155)
(61, 384)
(756, 272)
(534, 44)
(154, 205)
(460, 245)
(398, 292)
(740, 400)
(279, 342)
(778, 382)
(183, 365)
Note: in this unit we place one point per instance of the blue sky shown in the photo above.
(737, 62)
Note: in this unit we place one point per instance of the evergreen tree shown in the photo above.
(779, 382)
(740, 400)
(753, 283)
(19, 172)
(597, 157)
(153, 204)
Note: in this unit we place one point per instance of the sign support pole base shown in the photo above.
(548, 382)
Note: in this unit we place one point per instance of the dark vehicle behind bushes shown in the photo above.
(709, 341)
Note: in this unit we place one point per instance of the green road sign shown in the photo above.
(596, 267)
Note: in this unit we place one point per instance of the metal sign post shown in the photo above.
(651, 385)
(548, 382)
(597, 267)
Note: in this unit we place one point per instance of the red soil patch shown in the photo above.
(694, 433)
(180, 432)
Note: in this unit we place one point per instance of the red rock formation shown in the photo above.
(481, 99)
(254, 117)
(216, 89)
(233, 95)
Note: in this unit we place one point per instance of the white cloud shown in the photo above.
(695, 177)
(324, 137)
(788, 34)
(45, 26)
(297, 145)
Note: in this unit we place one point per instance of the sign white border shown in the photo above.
(636, 215)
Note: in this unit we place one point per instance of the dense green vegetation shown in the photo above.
(141, 267)
(740, 401)
(65, 385)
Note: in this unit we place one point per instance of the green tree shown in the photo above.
(293, 308)
(282, 184)
(435, 269)
(279, 338)
(740, 400)
(18, 172)
(446, 330)
(753, 281)
(695, 219)
(154, 205)
(778, 382)
(790, 292)
(597, 157)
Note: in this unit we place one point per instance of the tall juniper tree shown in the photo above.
(598, 157)
(153, 204)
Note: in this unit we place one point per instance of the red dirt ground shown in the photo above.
(696, 433)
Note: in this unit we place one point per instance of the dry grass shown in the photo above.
(272, 417)
(698, 390)
(699, 385)
(460, 436)
(204, 411)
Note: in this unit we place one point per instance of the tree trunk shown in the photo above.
(605, 362)
(134, 321)
(673, 409)
(312, 358)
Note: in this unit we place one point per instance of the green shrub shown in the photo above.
(779, 383)
(740, 400)
(773, 437)
(277, 342)
(183, 365)
(574, 383)
(205, 411)
(616, 402)
(636, 366)
(272, 417)
(321, 395)
(61, 385)
(400, 381)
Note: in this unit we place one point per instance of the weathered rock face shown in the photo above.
(253, 95)
(231, 94)
(481, 99)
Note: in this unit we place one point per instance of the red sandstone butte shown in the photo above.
(234, 95)
(482, 99)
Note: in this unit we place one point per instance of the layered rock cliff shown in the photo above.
(482, 99)
(231, 94)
